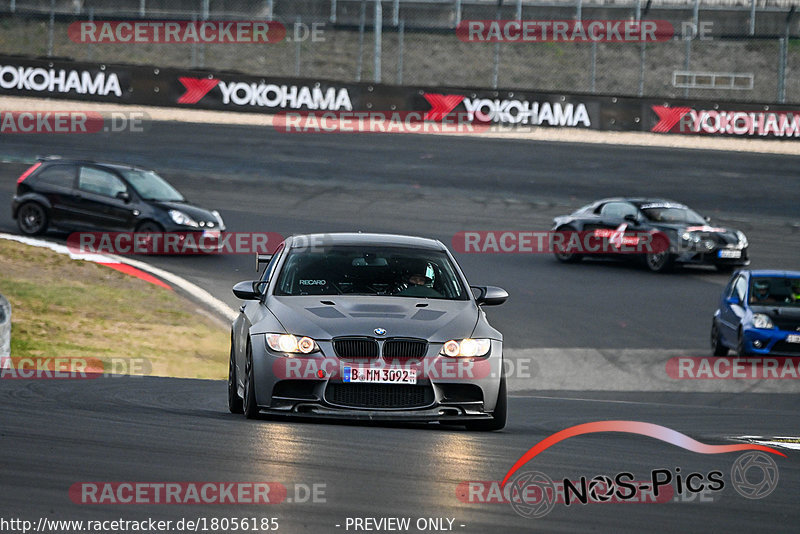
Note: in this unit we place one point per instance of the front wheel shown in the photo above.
(32, 218)
(235, 404)
(741, 347)
(560, 249)
(659, 262)
(499, 416)
(250, 406)
(717, 347)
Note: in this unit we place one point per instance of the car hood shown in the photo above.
(434, 320)
(719, 234)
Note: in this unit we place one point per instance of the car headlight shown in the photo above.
(742, 238)
(216, 214)
(178, 217)
(466, 348)
(290, 343)
(761, 320)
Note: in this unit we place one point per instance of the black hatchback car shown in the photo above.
(87, 195)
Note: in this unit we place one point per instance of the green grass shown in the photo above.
(76, 309)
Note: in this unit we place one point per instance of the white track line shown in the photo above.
(193, 290)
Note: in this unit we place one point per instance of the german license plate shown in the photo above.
(793, 338)
(729, 253)
(379, 376)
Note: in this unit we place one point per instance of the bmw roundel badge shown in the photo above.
(380, 331)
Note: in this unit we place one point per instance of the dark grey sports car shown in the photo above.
(686, 237)
(367, 326)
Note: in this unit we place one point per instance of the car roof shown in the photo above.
(771, 272)
(358, 238)
(79, 161)
(638, 201)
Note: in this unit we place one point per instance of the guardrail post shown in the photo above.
(270, 8)
(362, 21)
(458, 12)
(752, 17)
(396, 13)
(333, 12)
(51, 28)
(496, 67)
(378, 35)
(297, 43)
(784, 56)
(593, 70)
(5, 329)
(401, 31)
(142, 8)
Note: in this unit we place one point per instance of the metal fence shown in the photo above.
(744, 50)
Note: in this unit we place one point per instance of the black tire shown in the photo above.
(149, 227)
(659, 262)
(32, 218)
(249, 404)
(235, 403)
(566, 257)
(717, 348)
(499, 416)
(740, 349)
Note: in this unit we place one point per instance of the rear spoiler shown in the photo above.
(262, 258)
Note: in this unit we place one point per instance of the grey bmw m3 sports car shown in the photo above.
(367, 326)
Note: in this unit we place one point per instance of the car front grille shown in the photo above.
(379, 395)
(787, 323)
(356, 347)
(786, 348)
(405, 349)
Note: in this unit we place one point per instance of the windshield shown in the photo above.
(775, 291)
(151, 186)
(370, 270)
(665, 214)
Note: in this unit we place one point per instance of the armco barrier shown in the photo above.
(152, 86)
(5, 328)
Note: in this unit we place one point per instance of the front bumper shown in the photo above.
(712, 257)
(291, 386)
(771, 342)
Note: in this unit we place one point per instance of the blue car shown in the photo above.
(759, 314)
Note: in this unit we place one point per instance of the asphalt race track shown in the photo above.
(597, 334)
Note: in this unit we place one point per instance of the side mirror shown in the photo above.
(631, 218)
(490, 295)
(123, 196)
(733, 300)
(249, 289)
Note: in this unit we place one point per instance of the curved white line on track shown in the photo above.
(193, 290)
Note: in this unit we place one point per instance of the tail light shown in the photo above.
(28, 172)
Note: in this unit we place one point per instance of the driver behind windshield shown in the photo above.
(416, 282)
(761, 292)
